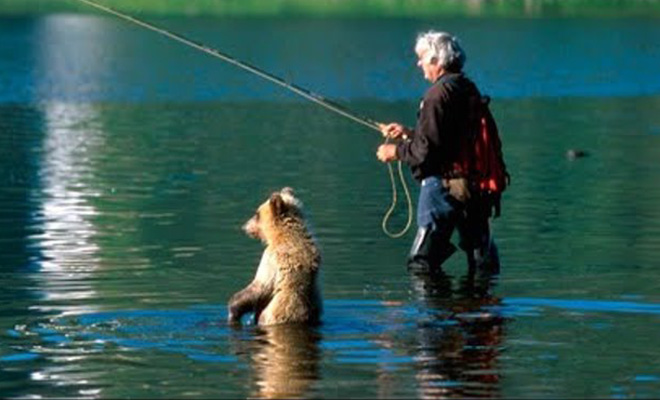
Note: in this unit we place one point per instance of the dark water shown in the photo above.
(128, 164)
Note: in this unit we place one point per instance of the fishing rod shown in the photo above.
(307, 94)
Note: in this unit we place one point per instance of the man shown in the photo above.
(432, 150)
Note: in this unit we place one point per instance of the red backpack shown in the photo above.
(483, 162)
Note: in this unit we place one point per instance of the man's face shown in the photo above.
(428, 65)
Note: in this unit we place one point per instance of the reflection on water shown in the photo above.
(64, 247)
(459, 341)
(70, 53)
(286, 361)
(67, 254)
(64, 254)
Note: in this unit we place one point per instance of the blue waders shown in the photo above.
(438, 214)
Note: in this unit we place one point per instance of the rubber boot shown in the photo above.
(427, 253)
(492, 264)
(485, 260)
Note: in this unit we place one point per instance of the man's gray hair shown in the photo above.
(442, 47)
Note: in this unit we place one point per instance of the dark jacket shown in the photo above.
(443, 127)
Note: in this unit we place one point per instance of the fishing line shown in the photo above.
(369, 123)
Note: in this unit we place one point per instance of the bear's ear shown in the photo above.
(276, 204)
(287, 191)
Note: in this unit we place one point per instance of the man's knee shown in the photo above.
(430, 249)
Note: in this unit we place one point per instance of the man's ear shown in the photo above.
(276, 204)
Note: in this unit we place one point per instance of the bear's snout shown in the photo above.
(252, 229)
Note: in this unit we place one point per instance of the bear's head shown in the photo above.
(281, 208)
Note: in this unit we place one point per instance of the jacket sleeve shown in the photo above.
(427, 133)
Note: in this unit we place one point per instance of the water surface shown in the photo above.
(128, 164)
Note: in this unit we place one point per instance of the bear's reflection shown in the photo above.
(458, 342)
(285, 361)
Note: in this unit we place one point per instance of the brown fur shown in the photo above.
(285, 288)
(286, 361)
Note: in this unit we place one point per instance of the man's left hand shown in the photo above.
(386, 152)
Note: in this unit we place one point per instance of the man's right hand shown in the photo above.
(394, 130)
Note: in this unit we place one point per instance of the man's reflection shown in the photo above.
(459, 337)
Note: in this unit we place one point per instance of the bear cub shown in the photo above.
(285, 288)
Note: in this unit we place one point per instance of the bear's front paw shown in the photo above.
(233, 319)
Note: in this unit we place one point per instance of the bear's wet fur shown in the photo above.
(285, 288)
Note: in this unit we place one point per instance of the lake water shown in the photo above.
(128, 164)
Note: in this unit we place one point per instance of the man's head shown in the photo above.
(438, 52)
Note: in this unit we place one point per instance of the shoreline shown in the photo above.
(348, 8)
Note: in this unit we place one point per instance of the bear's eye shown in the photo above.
(256, 216)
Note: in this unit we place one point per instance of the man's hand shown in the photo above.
(394, 130)
(386, 152)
